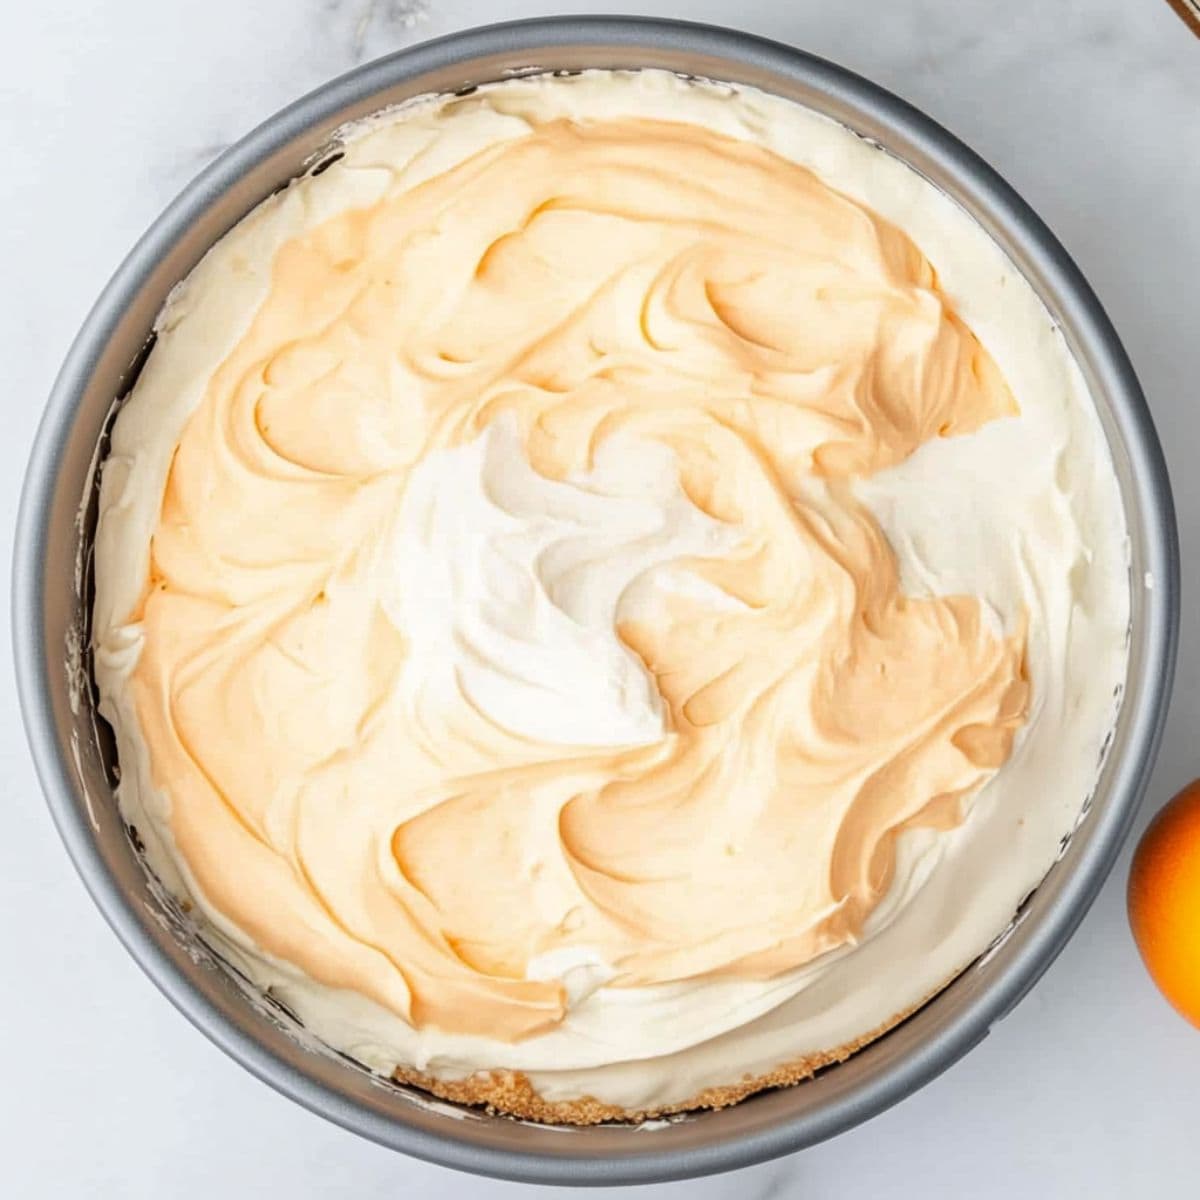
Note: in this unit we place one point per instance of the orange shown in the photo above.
(1164, 901)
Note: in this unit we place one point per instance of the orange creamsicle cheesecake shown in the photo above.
(609, 595)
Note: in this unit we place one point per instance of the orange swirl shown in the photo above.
(634, 277)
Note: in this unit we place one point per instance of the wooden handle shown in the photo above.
(1189, 10)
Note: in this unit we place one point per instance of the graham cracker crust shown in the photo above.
(509, 1093)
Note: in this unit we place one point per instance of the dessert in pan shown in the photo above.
(609, 595)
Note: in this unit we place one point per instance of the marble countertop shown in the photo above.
(1091, 108)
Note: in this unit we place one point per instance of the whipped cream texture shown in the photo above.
(616, 579)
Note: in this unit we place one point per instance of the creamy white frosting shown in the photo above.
(510, 585)
(1024, 513)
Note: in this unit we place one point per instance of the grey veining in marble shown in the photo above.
(1090, 107)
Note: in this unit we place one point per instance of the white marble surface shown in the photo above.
(1090, 107)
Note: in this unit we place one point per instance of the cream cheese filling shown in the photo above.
(536, 611)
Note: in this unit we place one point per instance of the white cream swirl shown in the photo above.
(511, 586)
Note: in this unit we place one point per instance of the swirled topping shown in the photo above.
(512, 626)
